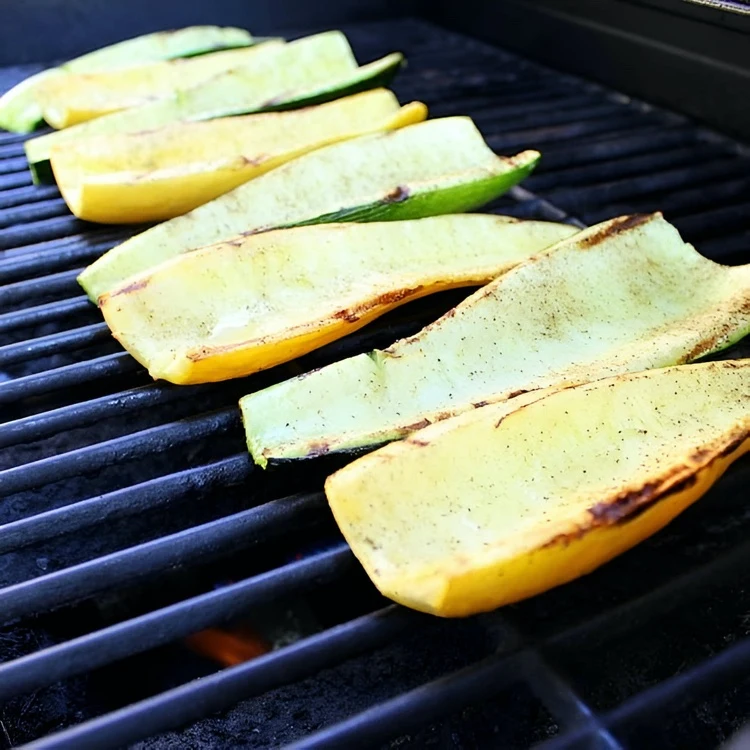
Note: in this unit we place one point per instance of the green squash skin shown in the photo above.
(454, 199)
(22, 115)
(383, 73)
(451, 200)
(375, 75)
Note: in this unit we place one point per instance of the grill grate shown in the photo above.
(120, 485)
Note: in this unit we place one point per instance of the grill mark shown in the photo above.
(353, 314)
(134, 286)
(397, 195)
(614, 227)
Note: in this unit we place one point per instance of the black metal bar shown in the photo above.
(131, 500)
(34, 316)
(623, 167)
(82, 461)
(60, 283)
(67, 377)
(54, 343)
(210, 694)
(728, 667)
(47, 229)
(12, 164)
(49, 209)
(46, 259)
(30, 194)
(168, 624)
(84, 413)
(417, 707)
(564, 156)
(16, 180)
(198, 544)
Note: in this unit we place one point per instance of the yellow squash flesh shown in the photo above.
(167, 172)
(71, 99)
(512, 499)
(238, 307)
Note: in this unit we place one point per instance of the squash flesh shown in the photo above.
(286, 75)
(235, 308)
(430, 168)
(158, 175)
(508, 500)
(75, 98)
(20, 112)
(624, 296)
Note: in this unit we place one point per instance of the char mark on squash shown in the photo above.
(353, 314)
(631, 504)
(399, 194)
(135, 286)
(615, 227)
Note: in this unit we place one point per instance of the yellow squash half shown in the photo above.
(160, 174)
(70, 99)
(512, 499)
(238, 307)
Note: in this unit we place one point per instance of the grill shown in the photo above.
(132, 516)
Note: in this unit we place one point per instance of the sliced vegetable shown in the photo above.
(435, 167)
(75, 98)
(622, 296)
(505, 502)
(20, 113)
(309, 71)
(232, 309)
(156, 175)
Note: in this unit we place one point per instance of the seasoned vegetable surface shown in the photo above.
(512, 499)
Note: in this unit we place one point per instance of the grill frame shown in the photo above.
(519, 656)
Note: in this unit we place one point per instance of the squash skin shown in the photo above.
(239, 307)
(155, 176)
(564, 535)
(567, 316)
(430, 168)
(284, 76)
(79, 97)
(20, 112)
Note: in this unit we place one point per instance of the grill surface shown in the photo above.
(132, 516)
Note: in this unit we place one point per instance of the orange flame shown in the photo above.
(228, 648)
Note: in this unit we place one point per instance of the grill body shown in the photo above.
(131, 516)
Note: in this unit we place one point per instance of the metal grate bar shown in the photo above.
(632, 164)
(41, 231)
(54, 343)
(419, 706)
(129, 501)
(14, 163)
(566, 156)
(729, 667)
(84, 413)
(225, 688)
(169, 623)
(197, 544)
(55, 283)
(43, 261)
(31, 194)
(68, 376)
(119, 450)
(50, 209)
(52, 311)
(448, 694)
